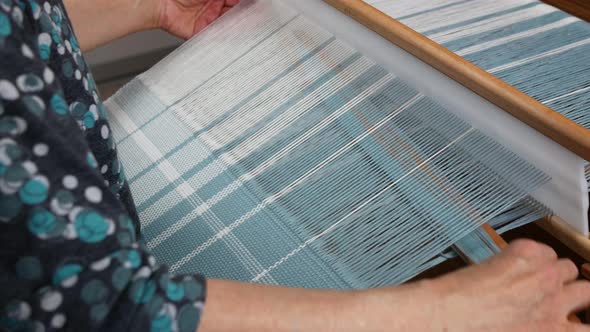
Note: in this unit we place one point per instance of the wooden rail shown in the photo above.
(579, 8)
(567, 235)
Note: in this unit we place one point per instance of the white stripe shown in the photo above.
(460, 13)
(121, 117)
(491, 24)
(365, 203)
(517, 36)
(254, 111)
(271, 129)
(540, 56)
(235, 245)
(567, 95)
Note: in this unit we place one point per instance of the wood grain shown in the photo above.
(579, 8)
(528, 110)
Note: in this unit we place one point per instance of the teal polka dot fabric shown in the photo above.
(70, 257)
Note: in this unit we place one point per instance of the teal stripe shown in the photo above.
(478, 19)
(543, 79)
(562, 73)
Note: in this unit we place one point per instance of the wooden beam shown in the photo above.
(498, 240)
(579, 8)
(567, 235)
(528, 110)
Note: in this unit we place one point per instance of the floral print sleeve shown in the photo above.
(69, 253)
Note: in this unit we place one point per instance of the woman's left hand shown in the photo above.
(185, 18)
(182, 18)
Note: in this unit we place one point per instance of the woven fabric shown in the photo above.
(266, 150)
(535, 47)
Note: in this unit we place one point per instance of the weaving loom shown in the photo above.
(289, 144)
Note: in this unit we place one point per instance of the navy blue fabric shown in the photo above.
(69, 253)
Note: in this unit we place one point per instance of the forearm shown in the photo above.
(233, 306)
(98, 22)
(240, 307)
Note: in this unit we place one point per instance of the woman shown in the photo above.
(69, 256)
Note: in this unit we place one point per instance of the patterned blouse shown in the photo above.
(69, 253)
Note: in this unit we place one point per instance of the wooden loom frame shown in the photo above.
(547, 121)
(579, 8)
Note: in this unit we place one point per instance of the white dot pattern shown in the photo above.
(70, 182)
(58, 321)
(40, 150)
(51, 301)
(104, 132)
(93, 194)
(57, 143)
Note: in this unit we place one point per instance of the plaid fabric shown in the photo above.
(292, 159)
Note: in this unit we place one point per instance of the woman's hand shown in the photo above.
(185, 18)
(525, 288)
(99, 22)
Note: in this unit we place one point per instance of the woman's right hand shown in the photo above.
(525, 288)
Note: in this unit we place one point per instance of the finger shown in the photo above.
(567, 270)
(534, 252)
(576, 296)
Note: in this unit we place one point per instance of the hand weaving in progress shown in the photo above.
(304, 143)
